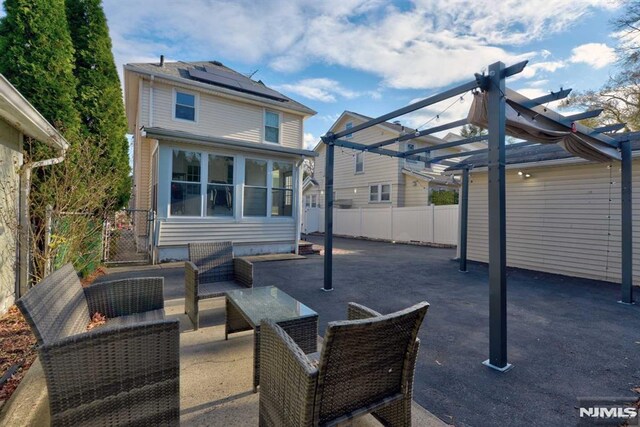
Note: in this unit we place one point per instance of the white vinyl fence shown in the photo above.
(427, 224)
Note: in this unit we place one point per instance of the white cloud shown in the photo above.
(597, 55)
(323, 89)
(427, 45)
(310, 141)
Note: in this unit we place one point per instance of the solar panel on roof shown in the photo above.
(235, 81)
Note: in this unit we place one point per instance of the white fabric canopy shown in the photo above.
(528, 125)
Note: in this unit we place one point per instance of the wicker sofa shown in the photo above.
(210, 272)
(125, 372)
(366, 365)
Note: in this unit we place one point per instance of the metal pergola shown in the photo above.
(493, 83)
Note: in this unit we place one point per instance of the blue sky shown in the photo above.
(373, 56)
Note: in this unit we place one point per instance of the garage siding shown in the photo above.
(563, 219)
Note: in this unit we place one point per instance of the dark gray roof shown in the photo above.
(181, 69)
(526, 154)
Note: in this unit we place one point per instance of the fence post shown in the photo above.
(47, 240)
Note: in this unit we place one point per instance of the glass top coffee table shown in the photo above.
(246, 308)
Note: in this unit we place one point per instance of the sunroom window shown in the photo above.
(185, 184)
(281, 189)
(255, 188)
(220, 186)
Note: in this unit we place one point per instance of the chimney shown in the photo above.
(162, 60)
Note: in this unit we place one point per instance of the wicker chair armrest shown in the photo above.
(191, 277)
(356, 311)
(243, 272)
(285, 371)
(102, 363)
(127, 296)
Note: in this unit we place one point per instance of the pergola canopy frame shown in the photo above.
(497, 93)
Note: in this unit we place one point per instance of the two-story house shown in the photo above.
(217, 156)
(369, 180)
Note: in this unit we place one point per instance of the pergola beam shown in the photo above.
(586, 115)
(445, 145)
(479, 151)
(466, 87)
(413, 135)
(558, 118)
(553, 96)
(609, 128)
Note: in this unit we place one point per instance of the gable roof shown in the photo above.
(180, 71)
(526, 154)
(393, 127)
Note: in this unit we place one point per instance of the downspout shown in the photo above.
(298, 204)
(24, 227)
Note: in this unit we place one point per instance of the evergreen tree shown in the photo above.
(99, 97)
(36, 56)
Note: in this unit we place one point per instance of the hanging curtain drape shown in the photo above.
(528, 125)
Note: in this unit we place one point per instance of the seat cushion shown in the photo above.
(130, 319)
(217, 289)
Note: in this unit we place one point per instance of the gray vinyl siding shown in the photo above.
(181, 233)
(560, 220)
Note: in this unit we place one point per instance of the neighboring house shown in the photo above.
(217, 156)
(18, 119)
(367, 180)
(563, 212)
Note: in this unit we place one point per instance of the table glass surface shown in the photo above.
(268, 302)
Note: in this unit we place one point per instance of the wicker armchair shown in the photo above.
(123, 373)
(366, 365)
(210, 272)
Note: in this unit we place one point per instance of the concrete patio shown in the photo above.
(568, 337)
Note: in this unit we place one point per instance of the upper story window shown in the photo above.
(348, 126)
(272, 127)
(359, 162)
(411, 146)
(185, 183)
(185, 108)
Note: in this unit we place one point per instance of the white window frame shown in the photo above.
(204, 182)
(355, 163)
(270, 190)
(379, 196)
(205, 195)
(290, 191)
(348, 126)
(171, 180)
(196, 103)
(264, 126)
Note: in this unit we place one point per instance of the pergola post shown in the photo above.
(464, 219)
(627, 223)
(497, 220)
(328, 217)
